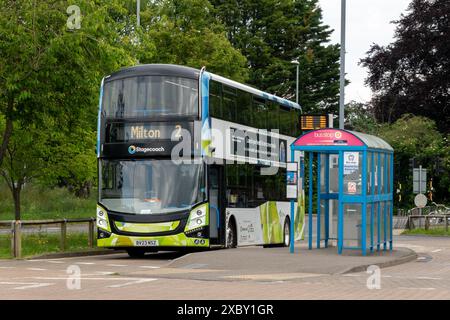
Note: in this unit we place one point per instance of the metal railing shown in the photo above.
(16, 231)
(427, 221)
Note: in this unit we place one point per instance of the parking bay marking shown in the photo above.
(131, 283)
(26, 285)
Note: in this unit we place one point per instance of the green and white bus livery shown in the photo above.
(232, 192)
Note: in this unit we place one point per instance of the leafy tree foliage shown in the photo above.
(50, 75)
(416, 136)
(412, 74)
(272, 33)
(185, 32)
(359, 117)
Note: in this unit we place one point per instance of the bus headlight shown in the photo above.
(198, 218)
(102, 219)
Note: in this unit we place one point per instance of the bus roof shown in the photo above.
(192, 73)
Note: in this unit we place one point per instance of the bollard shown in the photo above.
(17, 239)
(91, 233)
(427, 223)
(446, 217)
(63, 240)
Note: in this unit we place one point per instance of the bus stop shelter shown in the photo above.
(350, 183)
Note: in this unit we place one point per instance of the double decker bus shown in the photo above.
(228, 189)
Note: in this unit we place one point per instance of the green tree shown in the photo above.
(359, 117)
(415, 136)
(185, 32)
(272, 33)
(48, 69)
(24, 160)
(412, 74)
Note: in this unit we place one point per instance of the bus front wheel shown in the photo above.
(231, 235)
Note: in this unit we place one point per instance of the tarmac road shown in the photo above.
(177, 276)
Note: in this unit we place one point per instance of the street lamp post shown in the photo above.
(138, 12)
(295, 62)
(342, 67)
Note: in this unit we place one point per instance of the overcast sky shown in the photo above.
(368, 21)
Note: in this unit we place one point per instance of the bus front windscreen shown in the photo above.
(150, 186)
(148, 96)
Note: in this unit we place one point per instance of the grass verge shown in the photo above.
(42, 243)
(40, 203)
(430, 232)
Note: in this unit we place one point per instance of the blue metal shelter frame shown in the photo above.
(364, 193)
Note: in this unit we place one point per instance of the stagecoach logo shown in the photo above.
(133, 149)
(338, 135)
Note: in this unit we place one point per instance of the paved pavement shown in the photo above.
(177, 276)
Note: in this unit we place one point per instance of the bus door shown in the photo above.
(216, 204)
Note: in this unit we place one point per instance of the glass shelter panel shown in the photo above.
(382, 167)
(322, 219)
(352, 172)
(388, 220)
(334, 211)
(375, 172)
(369, 173)
(368, 223)
(323, 163)
(352, 225)
(389, 173)
(375, 223)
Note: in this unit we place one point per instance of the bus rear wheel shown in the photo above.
(231, 240)
(136, 252)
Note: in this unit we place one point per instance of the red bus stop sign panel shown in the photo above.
(329, 137)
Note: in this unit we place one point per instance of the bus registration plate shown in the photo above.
(146, 243)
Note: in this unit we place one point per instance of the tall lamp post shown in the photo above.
(295, 62)
(342, 68)
(138, 12)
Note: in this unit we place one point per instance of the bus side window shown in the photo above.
(229, 104)
(295, 127)
(259, 113)
(273, 121)
(285, 121)
(215, 99)
(244, 108)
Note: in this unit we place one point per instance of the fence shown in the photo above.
(16, 231)
(428, 221)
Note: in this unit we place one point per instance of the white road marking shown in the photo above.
(117, 265)
(32, 286)
(131, 283)
(85, 263)
(408, 288)
(104, 272)
(428, 278)
(437, 250)
(26, 285)
(7, 267)
(94, 278)
(36, 269)
(149, 267)
(54, 261)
